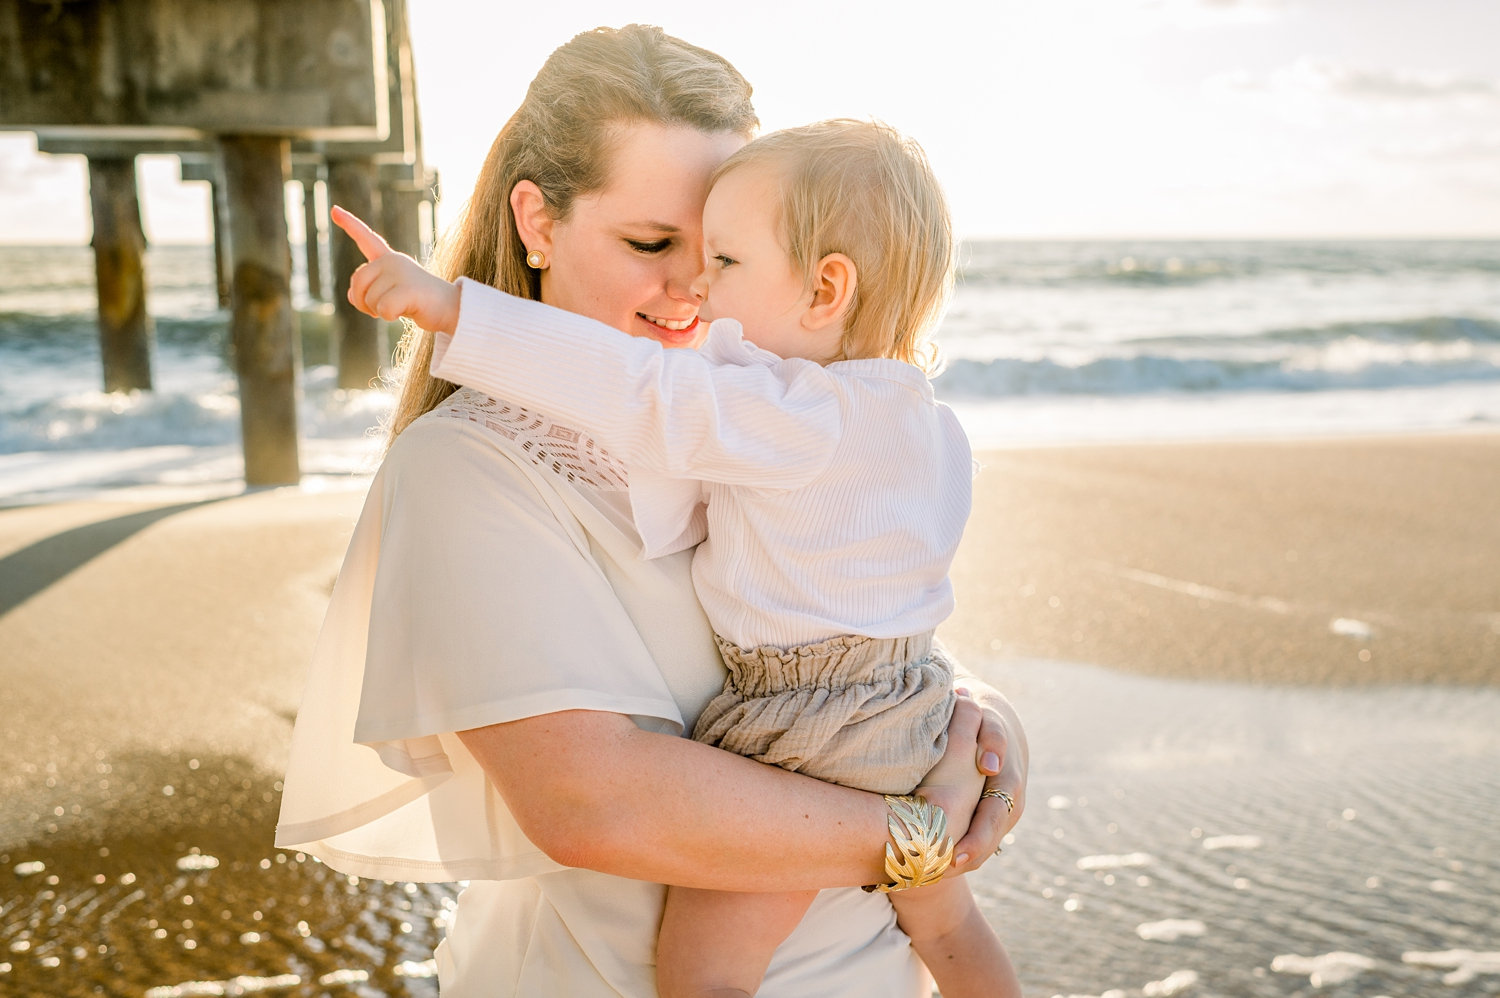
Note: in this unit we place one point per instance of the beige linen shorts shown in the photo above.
(869, 713)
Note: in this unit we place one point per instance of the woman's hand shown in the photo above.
(1004, 758)
(392, 285)
(954, 784)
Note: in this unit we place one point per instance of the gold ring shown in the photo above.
(1010, 802)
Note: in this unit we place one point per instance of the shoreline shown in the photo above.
(328, 470)
(1245, 415)
(1476, 429)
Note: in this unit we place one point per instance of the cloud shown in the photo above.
(1456, 149)
(1194, 13)
(1309, 77)
(23, 171)
(1404, 84)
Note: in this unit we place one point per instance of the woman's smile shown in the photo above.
(672, 332)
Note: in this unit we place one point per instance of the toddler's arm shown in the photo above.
(675, 412)
(671, 411)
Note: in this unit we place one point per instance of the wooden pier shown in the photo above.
(252, 94)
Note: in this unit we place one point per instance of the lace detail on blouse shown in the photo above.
(571, 454)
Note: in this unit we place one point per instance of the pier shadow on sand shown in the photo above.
(33, 568)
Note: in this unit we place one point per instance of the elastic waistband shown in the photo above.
(847, 660)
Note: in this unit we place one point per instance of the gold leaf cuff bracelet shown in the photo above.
(920, 850)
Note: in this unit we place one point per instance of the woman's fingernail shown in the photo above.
(962, 692)
(963, 858)
(991, 761)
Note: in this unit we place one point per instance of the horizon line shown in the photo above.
(1013, 237)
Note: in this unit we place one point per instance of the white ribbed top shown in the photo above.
(836, 495)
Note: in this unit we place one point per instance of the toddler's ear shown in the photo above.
(833, 283)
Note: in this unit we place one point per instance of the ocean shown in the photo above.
(1045, 343)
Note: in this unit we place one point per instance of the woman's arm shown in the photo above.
(592, 790)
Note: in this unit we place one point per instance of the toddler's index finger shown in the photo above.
(367, 239)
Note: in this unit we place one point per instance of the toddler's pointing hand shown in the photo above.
(392, 285)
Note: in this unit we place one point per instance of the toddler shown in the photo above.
(802, 446)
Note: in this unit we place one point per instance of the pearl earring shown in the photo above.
(536, 260)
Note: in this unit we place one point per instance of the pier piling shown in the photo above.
(359, 339)
(401, 214)
(263, 331)
(125, 329)
(218, 208)
(312, 229)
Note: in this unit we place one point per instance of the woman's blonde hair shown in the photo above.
(559, 139)
(863, 189)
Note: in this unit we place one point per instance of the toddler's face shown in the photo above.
(749, 275)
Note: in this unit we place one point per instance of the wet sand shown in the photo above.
(152, 665)
(153, 655)
(1232, 840)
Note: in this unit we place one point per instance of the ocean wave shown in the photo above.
(1433, 329)
(1154, 372)
(1172, 263)
(1369, 354)
(80, 331)
(99, 420)
(1119, 270)
(198, 418)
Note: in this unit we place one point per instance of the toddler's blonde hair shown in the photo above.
(863, 189)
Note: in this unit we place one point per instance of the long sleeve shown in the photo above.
(756, 423)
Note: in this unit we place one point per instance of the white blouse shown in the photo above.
(836, 495)
(494, 575)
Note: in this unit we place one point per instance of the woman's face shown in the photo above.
(627, 255)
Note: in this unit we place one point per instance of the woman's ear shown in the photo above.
(833, 282)
(533, 222)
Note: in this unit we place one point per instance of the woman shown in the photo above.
(520, 673)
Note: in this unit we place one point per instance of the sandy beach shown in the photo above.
(1179, 624)
(1342, 561)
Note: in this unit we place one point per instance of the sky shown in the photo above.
(1043, 119)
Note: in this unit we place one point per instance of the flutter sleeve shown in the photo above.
(469, 596)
